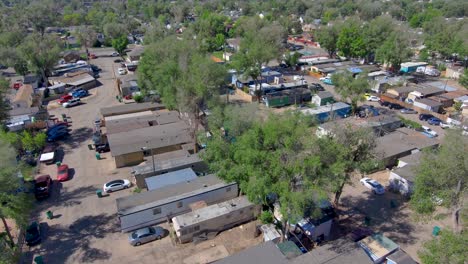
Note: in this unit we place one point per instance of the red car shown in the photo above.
(17, 85)
(65, 98)
(42, 186)
(62, 172)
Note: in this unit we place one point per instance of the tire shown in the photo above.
(138, 244)
(374, 192)
(158, 237)
(125, 187)
(109, 191)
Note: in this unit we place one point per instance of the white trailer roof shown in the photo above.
(47, 156)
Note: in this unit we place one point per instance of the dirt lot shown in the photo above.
(85, 228)
(399, 223)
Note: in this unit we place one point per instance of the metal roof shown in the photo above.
(130, 108)
(167, 161)
(265, 253)
(163, 180)
(143, 201)
(152, 137)
(325, 108)
(133, 121)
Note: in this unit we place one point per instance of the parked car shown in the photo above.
(146, 235)
(122, 71)
(373, 98)
(65, 98)
(92, 56)
(42, 186)
(102, 148)
(115, 54)
(445, 125)
(408, 111)
(395, 106)
(56, 135)
(17, 85)
(116, 185)
(62, 172)
(373, 185)
(80, 93)
(429, 131)
(33, 234)
(72, 102)
(434, 121)
(383, 103)
(56, 129)
(425, 117)
(316, 87)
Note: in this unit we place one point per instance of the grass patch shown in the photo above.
(441, 216)
(27, 172)
(409, 123)
(218, 54)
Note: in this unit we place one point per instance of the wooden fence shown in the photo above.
(389, 99)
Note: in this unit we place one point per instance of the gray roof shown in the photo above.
(400, 257)
(265, 253)
(142, 201)
(407, 172)
(324, 94)
(23, 111)
(325, 108)
(138, 51)
(412, 159)
(85, 79)
(212, 211)
(167, 161)
(401, 141)
(338, 251)
(152, 137)
(163, 180)
(136, 121)
(428, 102)
(130, 108)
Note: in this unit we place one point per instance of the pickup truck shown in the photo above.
(42, 186)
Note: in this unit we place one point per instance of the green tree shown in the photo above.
(394, 50)
(4, 105)
(87, 37)
(120, 44)
(376, 32)
(327, 36)
(41, 53)
(351, 88)
(351, 41)
(445, 248)
(442, 175)
(464, 79)
(41, 14)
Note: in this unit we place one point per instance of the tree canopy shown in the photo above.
(351, 88)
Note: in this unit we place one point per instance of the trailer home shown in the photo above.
(153, 207)
(214, 218)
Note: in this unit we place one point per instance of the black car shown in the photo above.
(425, 117)
(384, 103)
(101, 148)
(33, 234)
(395, 106)
(316, 87)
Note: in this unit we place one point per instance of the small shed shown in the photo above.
(58, 88)
(378, 247)
(323, 98)
(161, 181)
(270, 233)
(400, 257)
(428, 104)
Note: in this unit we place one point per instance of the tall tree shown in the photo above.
(351, 41)
(42, 54)
(351, 88)
(394, 50)
(4, 105)
(464, 79)
(87, 37)
(442, 175)
(327, 36)
(446, 248)
(40, 15)
(259, 45)
(120, 44)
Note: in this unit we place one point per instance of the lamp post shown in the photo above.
(152, 156)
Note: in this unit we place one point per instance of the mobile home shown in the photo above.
(214, 218)
(153, 207)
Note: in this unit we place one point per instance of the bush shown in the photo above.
(138, 98)
(410, 124)
(266, 217)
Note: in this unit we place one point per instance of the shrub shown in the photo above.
(266, 217)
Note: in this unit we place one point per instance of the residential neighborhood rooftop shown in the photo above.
(170, 178)
(129, 108)
(133, 121)
(167, 161)
(24, 93)
(265, 253)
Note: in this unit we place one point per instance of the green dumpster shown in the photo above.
(435, 231)
(39, 260)
(58, 163)
(98, 156)
(49, 215)
(99, 193)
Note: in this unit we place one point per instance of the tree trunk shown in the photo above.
(7, 230)
(195, 128)
(456, 220)
(339, 192)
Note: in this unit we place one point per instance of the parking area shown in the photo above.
(85, 228)
(389, 214)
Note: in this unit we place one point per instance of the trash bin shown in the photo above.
(393, 204)
(98, 156)
(49, 215)
(39, 260)
(367, 220)
(58, 163)
(64, 116)
(99, 193)
(435, 231)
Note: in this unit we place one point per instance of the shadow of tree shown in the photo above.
(63, 198)
(77, 136)
(76, 238)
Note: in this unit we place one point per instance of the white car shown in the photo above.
(373, 98)
(445, 125)
(116, 185)
(122, 71)
(429, 131)
(373, 185)
(72, 102)
(115, 54)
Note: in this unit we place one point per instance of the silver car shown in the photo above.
(146, 235)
